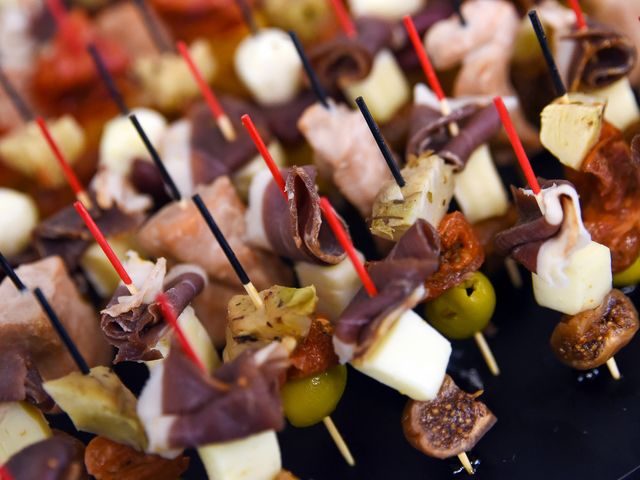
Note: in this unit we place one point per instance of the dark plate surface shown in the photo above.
(553, 422)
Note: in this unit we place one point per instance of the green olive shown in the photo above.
(630, 276)
(308, 400)
(463, 310)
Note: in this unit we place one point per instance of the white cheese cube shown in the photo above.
(166, 80)
(120, 143)
(198, 338)
(411, 357)
(570, 130)
(243, 177)
(18, 218)
(335, 285)
(26, 151)
(21, 425)
(385, 89)
(588, 281)
(269, 66)
(256, 234)
(390, 10)
(256, 457)
(98, 269)
(478, 188)
(622, 109)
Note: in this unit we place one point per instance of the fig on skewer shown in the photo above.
(571, 271)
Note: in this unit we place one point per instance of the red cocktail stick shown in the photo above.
(60, 14)
(106, 248)
(221, 117)
(69, 174)
(264, 151)
(339, 232)
(344, 18)
(580, 21)
(170, 316)
(4, 474)
(525, 165)
(429, 72)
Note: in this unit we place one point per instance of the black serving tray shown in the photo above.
(553, 422)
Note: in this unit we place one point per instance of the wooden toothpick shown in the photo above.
(339, 441)
(487, 354)
(464, 460)
(612, 365)
(228, 251)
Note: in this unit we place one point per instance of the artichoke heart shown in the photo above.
(287, 314)
(426, 194)
(569, 130)
(100, 403)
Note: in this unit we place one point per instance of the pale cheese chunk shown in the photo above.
(242, 178)
(411, 357)
(478, 188)
(385, 89)
(198, 338)
(120, 143)
(21, 425)
(256, 457)
(27, 152)
(588, 280)
(387, 9)
(98, 269)
(269, 66)
(622, 109)
(18, 218)
(336, 285)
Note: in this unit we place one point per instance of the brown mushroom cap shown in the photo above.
(450, 424)
(590, 338)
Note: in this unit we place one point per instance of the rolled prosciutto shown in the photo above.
(181, 407)
(291, 228)
(133, 323)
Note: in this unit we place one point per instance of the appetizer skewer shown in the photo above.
(583, 287)
(69, 174)
(378, 371)
(375, 131)
(277, 176)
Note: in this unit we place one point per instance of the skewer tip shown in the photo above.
(612, 365)
(464, 460)
(338, 439)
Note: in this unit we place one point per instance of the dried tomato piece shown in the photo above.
(108, 460)
(609, 186)
(67, 65)
(590, 338)
(315, 353)
(461, 254)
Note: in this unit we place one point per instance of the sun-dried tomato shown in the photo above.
(461, 254)
(108, 460)
(315, 353)
(609, 186)
(66, 65)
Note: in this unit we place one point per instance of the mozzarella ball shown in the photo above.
(390, 10)
(18, 218)
(269, 66)
(120, 143)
